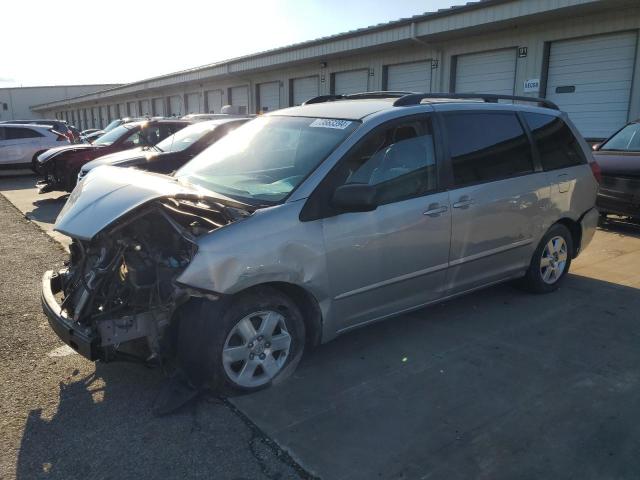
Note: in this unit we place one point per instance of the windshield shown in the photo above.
(110, 137)
(627, 139)
(112, 125)
(184, 138)
(267, 158)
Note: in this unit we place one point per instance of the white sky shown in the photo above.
(116, 41)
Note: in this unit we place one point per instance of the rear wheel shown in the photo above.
(550, 262)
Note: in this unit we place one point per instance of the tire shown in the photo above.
(550, 262)
(35, 166)
(230, 345)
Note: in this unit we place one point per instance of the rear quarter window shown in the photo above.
(556, 144)
(487, 147)
(20, 133)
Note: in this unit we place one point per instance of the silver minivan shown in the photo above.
(314, 220)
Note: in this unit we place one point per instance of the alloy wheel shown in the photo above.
(256, 349)
(554, 260)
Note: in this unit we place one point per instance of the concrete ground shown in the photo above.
(498, 384)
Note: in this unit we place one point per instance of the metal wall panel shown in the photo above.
(303, 89)
(590, 79)
(409, 77)
(269, 97)
(354, 81)
(486, 72)
(132, 109)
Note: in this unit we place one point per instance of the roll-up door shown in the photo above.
(79, 123)
(158, 106)
(113, 112)
(214, 101)
(145, 108)
(409, 77)
(486, 72)
(175, 105)
(104, 116)
(590, 78)
(355, 81)
(303, 89)
(240, 98)
(269, 97)
(193, 103)
(132, 109)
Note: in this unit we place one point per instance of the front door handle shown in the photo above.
(435, 210)
(464, 202)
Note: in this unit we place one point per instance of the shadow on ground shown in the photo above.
(498, 384)
(47, 209)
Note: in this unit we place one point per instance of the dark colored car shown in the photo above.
(619, 160)
(172, 152)
(60, 166)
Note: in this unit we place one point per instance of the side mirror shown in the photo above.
(596, 146)
(355, 197)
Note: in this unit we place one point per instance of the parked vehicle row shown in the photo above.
(308, 222)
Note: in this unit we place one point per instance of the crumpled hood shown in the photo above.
(54, 152)
(618, 163)
(100, 199)
(125, 156)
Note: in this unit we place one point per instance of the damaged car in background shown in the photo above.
(309, 222)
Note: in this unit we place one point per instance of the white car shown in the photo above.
(20, 145)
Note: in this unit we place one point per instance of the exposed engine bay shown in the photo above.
(119, 289)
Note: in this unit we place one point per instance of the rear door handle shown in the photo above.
(435, 210)
(464, 202)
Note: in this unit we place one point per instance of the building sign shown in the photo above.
(532, 85)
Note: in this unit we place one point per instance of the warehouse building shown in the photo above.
(16, 102)
(581, 54)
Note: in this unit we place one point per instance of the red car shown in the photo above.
(60, 166)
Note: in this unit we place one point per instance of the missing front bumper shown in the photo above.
(80, 338)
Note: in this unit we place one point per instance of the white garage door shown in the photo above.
(175, 105)
(240, 98)
(132, 109)
(104, 116)
(355, 81)
(193, 103)
(590, 79)
(122, 110)
(145, 108)
(214, 101)
(409, 77)
(269, 96)
(304, 89)
(486, 72)
(113, 112)
(158, 106)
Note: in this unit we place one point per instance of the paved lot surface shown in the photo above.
(499, 384)
(62, 417)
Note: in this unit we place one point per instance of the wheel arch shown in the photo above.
(576, 233)
(306, 303)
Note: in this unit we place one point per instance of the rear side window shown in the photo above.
(486, 147)
(2, 130)
(19, 133)
(557, 145)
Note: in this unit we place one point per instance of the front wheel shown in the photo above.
(253, 341)
(550, 262)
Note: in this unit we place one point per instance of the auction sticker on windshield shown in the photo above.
(329, 123)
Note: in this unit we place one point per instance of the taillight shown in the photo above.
(596, 170)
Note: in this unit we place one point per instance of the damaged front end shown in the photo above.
(117, 295)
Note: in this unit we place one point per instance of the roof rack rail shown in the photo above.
(357, 96)
(416, 98)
